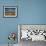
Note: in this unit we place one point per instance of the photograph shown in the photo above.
(10, 11)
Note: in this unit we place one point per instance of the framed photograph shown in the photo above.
(10, 11)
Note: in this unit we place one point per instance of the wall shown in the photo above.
(32, 11)
(7, 25)
(29, 12)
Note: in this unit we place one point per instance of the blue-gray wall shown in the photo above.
(29, 12)
(7, 25)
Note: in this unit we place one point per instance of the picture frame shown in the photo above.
(10, 11)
